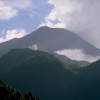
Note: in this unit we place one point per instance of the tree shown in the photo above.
(38, 98)
(31, 96)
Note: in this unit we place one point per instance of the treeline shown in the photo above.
(8, 93)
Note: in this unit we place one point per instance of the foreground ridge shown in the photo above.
(8, 93)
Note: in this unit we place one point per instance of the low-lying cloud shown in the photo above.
(77, 54)
(34, 47)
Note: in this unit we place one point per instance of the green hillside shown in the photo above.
(8, 93)
(48, 77)
(40, 72)
(16, 56)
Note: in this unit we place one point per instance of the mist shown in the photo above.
(33, 47)
(77, 54)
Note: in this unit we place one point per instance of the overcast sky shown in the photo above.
(20, 17)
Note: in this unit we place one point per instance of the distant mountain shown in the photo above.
(48, 77)
(50, 40)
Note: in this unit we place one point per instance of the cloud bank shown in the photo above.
(77, 54)
(10, 34)
(7, 12)
(79, 16)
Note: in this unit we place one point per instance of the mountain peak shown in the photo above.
(45, 27)
(50, 40)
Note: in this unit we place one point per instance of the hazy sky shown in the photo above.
(20, 17)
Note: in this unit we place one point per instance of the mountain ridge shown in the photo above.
(48, 77)
(50, 40)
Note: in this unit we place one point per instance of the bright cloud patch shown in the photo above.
(79, 16)
(61, 12)
(13, 34)
(6, 12)
(34, 47)
(20, 4)
(77, 54)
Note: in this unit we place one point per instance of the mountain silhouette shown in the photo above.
(50, 40)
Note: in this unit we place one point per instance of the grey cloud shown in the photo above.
(79, 16)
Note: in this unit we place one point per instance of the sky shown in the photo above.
(20, 17)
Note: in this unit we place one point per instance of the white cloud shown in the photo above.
(13, 34)
(19, 4)
(79, 16)
(77, 54)
(10, 8)
(34, 47)
(32, 12)
(2, 32)
(6, 12)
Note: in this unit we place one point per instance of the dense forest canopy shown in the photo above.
(47, 77)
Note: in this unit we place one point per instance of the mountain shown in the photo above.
(48, 77)
(50, 40)
(17, 56)
(42, 74)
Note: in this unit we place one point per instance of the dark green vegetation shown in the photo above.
(18, 56)
(48, 78)
(8, 93)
